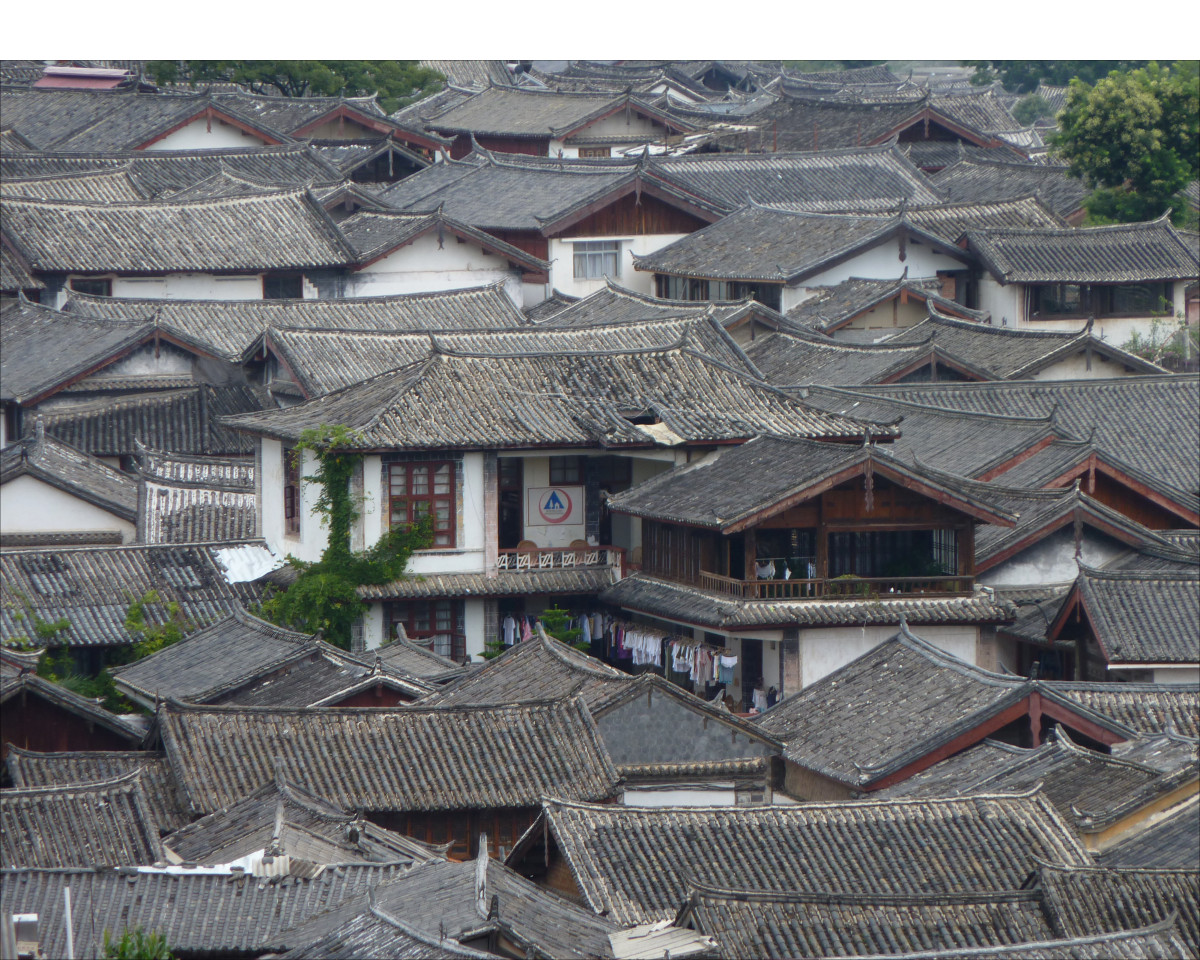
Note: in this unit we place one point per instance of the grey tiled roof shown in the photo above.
(226, 661)
(29, 768)
(779, 246)
(886, 710)
(365, 758)
(107, 186)
(41, 348)
(376, 933)
(1126, 253)
(465, 400)
(184, 419)
(224, 914)
(15, 277)
(97, 824)
(754, 924)
(479, 72)
(519, 112)
(93, 587)
(707, 493)
(1089, 789)
(159, 173)
(409, 658)
(280, 230)
(72, 471)
(789, 359)
(445, 898)
(537, 669)
(691, 605)
(1155, 942)
(1012, 354)
(1148, 708)
(977, 179)
(325, 360)
(234, 327)
(851, 179)
(1087, 901)
(638, 863)
(1143, 617)
(506, 583)
(830, 307)
(286, 820)
(1173, 842)
(1148, 423)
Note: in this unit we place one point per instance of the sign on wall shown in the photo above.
(554, 506)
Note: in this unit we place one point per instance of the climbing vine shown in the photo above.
(324, 595)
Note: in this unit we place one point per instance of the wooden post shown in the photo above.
(1035, 718)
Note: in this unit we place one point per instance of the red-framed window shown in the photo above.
(291, 493)
(436, 623)
(421, 489)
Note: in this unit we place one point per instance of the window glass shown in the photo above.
(595, 259)
(96, 286)
(425, 489)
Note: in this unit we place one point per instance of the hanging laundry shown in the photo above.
(510, 630)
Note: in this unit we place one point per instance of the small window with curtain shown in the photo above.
(424, 489)
(291, 492)
(596, 259)
(96, 286)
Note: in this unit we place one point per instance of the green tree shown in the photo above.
(1023, 76)
(324, 595)
(136, 944)
(1134, 138)
(397, 83)
(1032, 108)
(554, 619)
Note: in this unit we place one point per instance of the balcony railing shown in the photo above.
(560, 558)
(847, 587)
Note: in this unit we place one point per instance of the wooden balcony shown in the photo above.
(848, 587)
(560, 558)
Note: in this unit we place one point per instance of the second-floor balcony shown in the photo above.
(848, 587)
(529, 557)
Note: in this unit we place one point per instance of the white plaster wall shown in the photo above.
(198, 136)
(562, 263)
(878, 263)
(28, 505)
(1076, 368)
(882, 322)
(532, 294)
(1006, 303)
(373, 626)
(191, 286)
(171, 361)
(1188, 675)
(473, 626)
(313, 537)
(823, 650)
(1052, 560)
(715, 795)
(421, 267)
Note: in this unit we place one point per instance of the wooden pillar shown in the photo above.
(966, 550)
(751, 541)
(1035, 718)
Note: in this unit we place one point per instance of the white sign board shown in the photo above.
(554, 506)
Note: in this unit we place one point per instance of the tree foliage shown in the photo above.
(136, 944)
(1023, 76)
(1032, 108)
(324, 595)
(1134, 137)
(396, 82)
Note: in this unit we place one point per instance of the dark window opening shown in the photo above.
(564, 470)
(283, 286)
(95, 286)
(437, 624)
(291, 493)
(1100, 300)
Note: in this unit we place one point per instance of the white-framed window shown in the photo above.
(595, 259)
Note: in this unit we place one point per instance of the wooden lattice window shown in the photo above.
(291, 492)
(422, 489)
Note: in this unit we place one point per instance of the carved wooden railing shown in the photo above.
(848, 587)
(560, 558)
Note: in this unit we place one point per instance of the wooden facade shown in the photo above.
(632, 215)
(904, 543)
(461, 828)
(530, 147)
(34, 723)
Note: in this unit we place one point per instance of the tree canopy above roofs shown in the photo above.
(1023, 76)
(1134, 137)
(396, 82)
